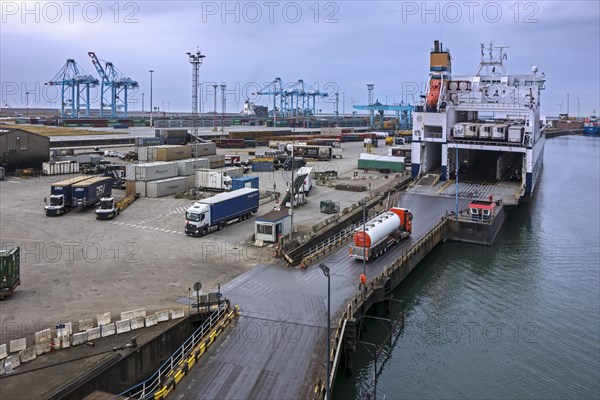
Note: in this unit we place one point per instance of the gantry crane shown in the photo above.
(75, 88)
(117, 83)
(293, 98)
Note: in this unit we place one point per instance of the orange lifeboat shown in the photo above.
(434, 93)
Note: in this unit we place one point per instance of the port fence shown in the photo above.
(161, 382)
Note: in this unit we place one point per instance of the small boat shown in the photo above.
(591, 127)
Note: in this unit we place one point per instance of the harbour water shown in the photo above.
(520, 319)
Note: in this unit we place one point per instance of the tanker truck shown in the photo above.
(380, 233)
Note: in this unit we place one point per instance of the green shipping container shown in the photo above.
(10, 276)
(370, 162)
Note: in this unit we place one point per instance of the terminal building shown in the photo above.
(20, 149)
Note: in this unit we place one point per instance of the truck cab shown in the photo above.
(57, 205)
(108, 209)
(197, 219)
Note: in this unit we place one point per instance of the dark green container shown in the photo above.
(10, 276)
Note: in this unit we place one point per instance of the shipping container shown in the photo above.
(515, 133)
(381, 163)
(130, 188)
(10, 271)
(140, 187)
(149, 141)
(216, 160)
(204, 149)
(142, 153)
(230, 143)
(263, 166)
(60, 167)
(154, 171)
(188, 167)
(172, 153)
(244, 182)
(174, 133)
(166, 187)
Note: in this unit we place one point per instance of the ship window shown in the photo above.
(474, 211)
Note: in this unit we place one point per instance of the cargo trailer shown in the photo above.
(214, 213)
(381, 163)
(89, 192)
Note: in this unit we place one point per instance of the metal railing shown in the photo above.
(371, 286)
(147, 388)
(334, 241)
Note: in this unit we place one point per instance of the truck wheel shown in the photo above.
(220, 227)
(204, 232)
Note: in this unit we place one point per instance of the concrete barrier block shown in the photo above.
(141, 312)
(13, 361)
(18, 345)
(177, 313)
(79, 338)
(3, 353)
(151, 320)
(66, 330)
(2, 367)
(43, 336)
(42, 348)
(137, 323)
(103, 319)
(85, 324)
(108, 329)
(93, 334)
(65, 341)
(56, 343)
(162, 316)
(28, 354)
(123, 326)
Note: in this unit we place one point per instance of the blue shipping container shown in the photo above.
(90, 191)
(240, 183)
(262, 166)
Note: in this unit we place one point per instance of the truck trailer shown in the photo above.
(61, 196)
(89, 192)
(381, 233)
(215, 212)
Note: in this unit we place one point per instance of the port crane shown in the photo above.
(293, 98)
(114, 88)
(75, 87)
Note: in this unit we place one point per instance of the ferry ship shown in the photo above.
(486, 127)
(591, 127)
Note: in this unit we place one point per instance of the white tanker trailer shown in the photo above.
(380, 233)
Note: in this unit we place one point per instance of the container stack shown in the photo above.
(60, 167)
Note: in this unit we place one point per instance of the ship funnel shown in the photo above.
(436, 46)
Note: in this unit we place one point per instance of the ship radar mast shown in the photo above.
(494, 63)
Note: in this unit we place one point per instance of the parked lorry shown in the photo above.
(89, 192)
(10, 271)
(215, 212)
(308, 181)
(381, 233)
(109, 208)
(61, 196)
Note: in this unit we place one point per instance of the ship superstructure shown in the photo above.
(484, 126)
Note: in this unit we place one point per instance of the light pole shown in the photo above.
(223, 86)
(567, 104)
(142, 104)
(215, 109)
(343, 104)
(196, 61)
(27, 104)
(151, 109)
(325, 270)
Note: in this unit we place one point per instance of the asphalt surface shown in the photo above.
(276, 346)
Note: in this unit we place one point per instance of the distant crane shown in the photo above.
(75, 88)
(114, 88)
(293, 98)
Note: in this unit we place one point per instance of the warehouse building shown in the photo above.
(20, 149)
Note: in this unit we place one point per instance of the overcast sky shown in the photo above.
(337, 46)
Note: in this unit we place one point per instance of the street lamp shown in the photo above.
(151, 109)
(325, 270)
(27, 103)
(142, 104)
(215, 108)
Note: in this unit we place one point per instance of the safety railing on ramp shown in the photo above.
(332, 242)
(171, 371)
